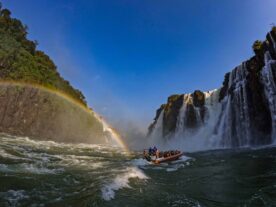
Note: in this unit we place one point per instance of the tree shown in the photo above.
(257, 46)
(5, 13)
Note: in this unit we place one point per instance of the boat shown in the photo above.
(167, 156)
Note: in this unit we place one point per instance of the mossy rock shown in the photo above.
(173, 98)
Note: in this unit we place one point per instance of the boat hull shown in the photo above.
(168, 159)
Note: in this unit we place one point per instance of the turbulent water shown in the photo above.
(45, 173)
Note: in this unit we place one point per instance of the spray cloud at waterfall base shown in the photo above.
(241, 113)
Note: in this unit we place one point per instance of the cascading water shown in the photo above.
(157, 131)
(268, 79)
(242, 113)
(193, 139)
(184, 136)
(181, 119)
(273, 41)
(234, 124)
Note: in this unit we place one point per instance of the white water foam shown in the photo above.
(4, 168)
(182, 162)
(121, 181)
(183, 158)
(140, 162)
(190, 139)
(29, 168)
(158, 130)
(14, 196)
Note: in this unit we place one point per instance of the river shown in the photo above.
(46, 173)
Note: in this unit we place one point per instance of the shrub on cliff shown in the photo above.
(257, 46)
(273, 29)
(21, 61)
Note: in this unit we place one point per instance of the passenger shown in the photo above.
(157, 154)
(150, 151)
(154, 149)
(161, 154)
(144, 153)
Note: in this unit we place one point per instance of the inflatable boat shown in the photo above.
(168, 158)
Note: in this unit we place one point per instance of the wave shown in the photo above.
(121, 181)
(140, 162)
(14, 196)
(52, 144)
(29, 168)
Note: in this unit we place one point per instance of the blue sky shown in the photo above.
(128, 56)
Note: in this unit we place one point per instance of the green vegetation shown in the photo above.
(273, 29)
(173, 98)
(257, 46)
(21, 61)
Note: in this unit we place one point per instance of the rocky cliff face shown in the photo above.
(241, 113)
(41, 114)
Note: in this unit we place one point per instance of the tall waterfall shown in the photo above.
(268, 79)
(157, 129)
(234, 124)
(193, 124)
(241, 113)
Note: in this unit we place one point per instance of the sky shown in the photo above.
(128, 56)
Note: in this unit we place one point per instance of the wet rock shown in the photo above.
(40, 114)
(198, 98)
(171, 111)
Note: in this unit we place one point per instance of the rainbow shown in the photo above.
(115, 135)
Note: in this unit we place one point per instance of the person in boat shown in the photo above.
(150, 151)
(157, 154)
(154, 149)
(147, 156)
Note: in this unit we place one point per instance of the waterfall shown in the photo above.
(234, 125)
(195, 138)
(268, 77)
(157, 131)
(242, 113)
(223, 132)
(183, 119)
(273, 41)
(180, 125)
(268, 80)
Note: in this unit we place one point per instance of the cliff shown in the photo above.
(36, 112)
(35, 101)
(240, 113)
